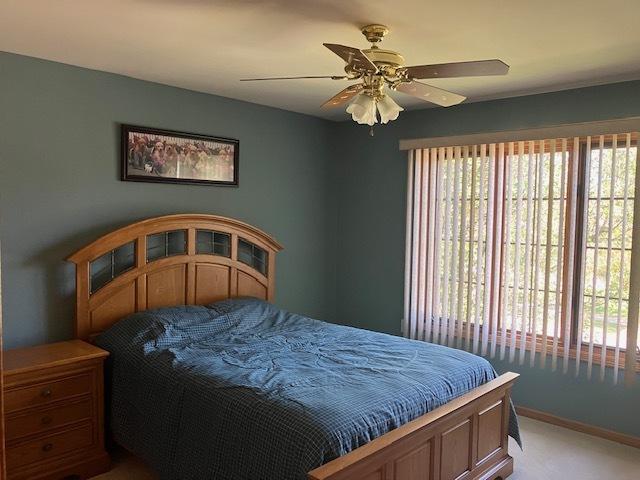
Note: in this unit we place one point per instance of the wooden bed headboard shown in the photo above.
(167, 261)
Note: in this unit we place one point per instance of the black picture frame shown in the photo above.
(183, 158)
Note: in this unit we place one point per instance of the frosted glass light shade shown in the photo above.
(389, 110)
(363, 109)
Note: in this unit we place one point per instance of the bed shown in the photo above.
(209, 380)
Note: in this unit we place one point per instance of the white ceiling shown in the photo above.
(207, 45)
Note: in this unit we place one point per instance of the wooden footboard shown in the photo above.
(464, 439)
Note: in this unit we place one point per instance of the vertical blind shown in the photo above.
(523, 251)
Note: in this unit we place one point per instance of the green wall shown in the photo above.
(59, 186)
(370, 189)
(333, 195)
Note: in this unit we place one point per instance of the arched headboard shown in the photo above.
(167, 261)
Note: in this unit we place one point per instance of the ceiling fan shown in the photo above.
(378, 68)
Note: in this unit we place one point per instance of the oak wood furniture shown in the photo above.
(3, 472)
(54, 411)
(198, 259)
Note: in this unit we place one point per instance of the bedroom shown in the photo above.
(336, 199)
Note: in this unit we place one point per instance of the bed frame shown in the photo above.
(206, 258)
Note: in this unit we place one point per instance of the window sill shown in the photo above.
(548, 351)
(573, 351)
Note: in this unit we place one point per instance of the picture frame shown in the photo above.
(167, 156)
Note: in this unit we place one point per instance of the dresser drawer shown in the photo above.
(40, 420)
(49, 447)
(46, 392)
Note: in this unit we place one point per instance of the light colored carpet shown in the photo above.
(551, 453)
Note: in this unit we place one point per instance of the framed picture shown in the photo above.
(153, 155)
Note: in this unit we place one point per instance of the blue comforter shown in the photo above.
(242, 390)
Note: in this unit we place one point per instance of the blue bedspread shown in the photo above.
(240, 390)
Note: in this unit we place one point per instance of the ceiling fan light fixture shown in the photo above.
(388, 108)
(377, 68)
(363, 109)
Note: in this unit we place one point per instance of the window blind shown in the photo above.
(524, 248)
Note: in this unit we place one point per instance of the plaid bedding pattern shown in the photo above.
(241, 390)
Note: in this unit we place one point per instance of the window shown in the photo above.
(524, 246)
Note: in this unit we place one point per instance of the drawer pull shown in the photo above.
(46, 420)
(46, 393)
(47, 447)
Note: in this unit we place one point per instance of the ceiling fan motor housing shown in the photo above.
(385, 59)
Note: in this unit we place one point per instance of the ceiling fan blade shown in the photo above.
(431, 94)
(353, 56)
(332, 77)
(343, 96)
(458, 69)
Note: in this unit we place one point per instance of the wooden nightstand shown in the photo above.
(54, 411)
